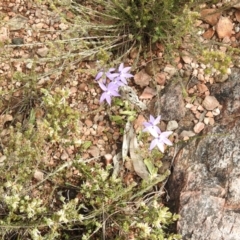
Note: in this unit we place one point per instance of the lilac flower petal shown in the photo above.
(160, 146)
(121, 66)
(99, 75)
(164, 139)
(118, 79)
(111, 76)
(125, 70)
(102, 86)
(156, 142)
(147, 124)
(127, 75)
(166, 134)
(123, 80)
(152, 119)
(157, 120)
(153, 144)
(115, 94)
(108, 99)
(155, 131)
(112, 87)
(160, 139)
(103, 97)
(111, 69)
(151, 126)
(167, 142)
(119, 83)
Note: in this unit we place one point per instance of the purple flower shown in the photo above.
(117, 81)
(151, 127)
(110, 90)
(103, 75)
(160, 140)
(99, 75)
(123, 73)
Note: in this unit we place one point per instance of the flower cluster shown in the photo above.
(160, 138)
(110, 81)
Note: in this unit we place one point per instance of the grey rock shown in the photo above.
(17, 41)
(17, 22)
(171, 70)
(204, 185)
(172, 125)
(172, 106)
(226, 91)
(221, 78)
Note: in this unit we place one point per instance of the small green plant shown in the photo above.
(124, 112)
(23, 208)
(216, 61)
(102, 204)
(60, 119)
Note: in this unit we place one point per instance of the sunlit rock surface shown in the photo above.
(204, 187)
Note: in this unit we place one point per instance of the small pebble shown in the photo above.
(172, 125)
(216, 111)
(64, 156)
(108, 157)
(199, 127)
(210, 103)
(38, 175)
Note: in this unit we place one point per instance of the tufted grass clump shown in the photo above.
(103, 29)
(147, 21)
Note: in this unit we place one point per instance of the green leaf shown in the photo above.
(86, 145)
(150, 166)
(116, 118)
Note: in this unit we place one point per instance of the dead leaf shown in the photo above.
(142, 78)
(116, 165)
(5, 118)
(209, 33)
(210, 16)
(160, 78)
(128, 131)
(137, 160)
(148, 93)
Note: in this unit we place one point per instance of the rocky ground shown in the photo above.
(183, 92)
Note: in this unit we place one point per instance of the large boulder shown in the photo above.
(205, 183)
